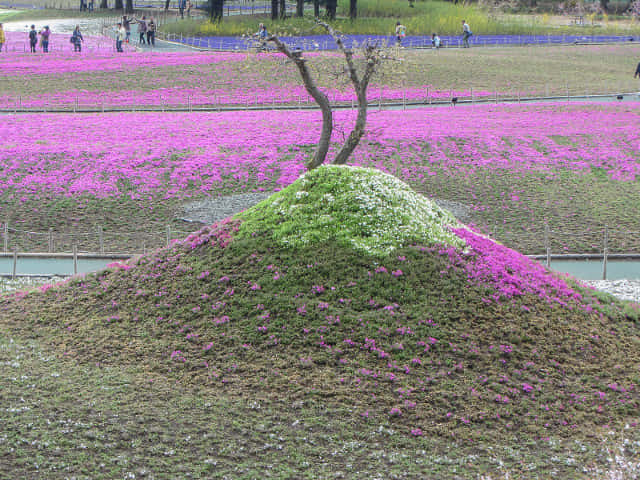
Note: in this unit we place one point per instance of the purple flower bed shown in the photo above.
(325, 42)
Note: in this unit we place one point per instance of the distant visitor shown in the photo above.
(401, 32)
(466, 33)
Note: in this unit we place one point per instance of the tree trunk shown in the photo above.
(274, 9)
(104, 4)
(321, 99)
(118, 5)
(353, 9)
(331, 9)
(283, 9)
(166, 5)
(129, 6)
(299, 8)
(605, 5)
(217, 10)
(316, 8)
(360, 85)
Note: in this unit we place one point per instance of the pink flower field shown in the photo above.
(180, 155)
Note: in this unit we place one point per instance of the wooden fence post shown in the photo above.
(605, 252)
(547, 244)
(101, 239)
(15, 263)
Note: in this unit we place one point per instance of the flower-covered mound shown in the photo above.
(366, 209)
(456, 345)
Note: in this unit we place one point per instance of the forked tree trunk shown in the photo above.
(360, 85)
(321, 99)
(283, 9)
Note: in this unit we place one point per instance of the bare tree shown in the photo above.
(372, 56)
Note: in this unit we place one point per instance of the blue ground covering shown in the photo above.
(325, 42)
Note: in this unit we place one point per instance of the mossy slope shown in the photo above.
(442, 332)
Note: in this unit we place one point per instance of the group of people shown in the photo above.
(184, 5)
(146, 31)
(76, 39)
(401, 32)
(87, 6)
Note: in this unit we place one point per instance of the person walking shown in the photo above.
(3, 39)
(262, 35)
(45, 33)
(76, 39)
(637, 74)
(401, 31)
(188, 8)
(121, 34)
(142, 29)
(435, 41)
(126, 23)
(151, 32)
(466, 33)
(33, 38)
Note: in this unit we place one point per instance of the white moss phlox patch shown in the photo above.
(366, 209)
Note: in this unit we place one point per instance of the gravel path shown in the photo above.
(623, 289)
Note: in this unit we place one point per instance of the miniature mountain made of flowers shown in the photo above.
(348, 290)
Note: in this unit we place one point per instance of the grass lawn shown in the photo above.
(143, 79)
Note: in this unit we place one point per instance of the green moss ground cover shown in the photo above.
(428, 360)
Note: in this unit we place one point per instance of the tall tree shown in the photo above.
(217, 10)
(299, 8)
(166, 5)
(316, 8)
(104, 4)
(353, 9)
(129, 6)
(274, 9)
(332, 5)
(283, 9)
(118, 5)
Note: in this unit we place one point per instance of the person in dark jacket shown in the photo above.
(76, 39)
(33, 38)
(637, 74)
